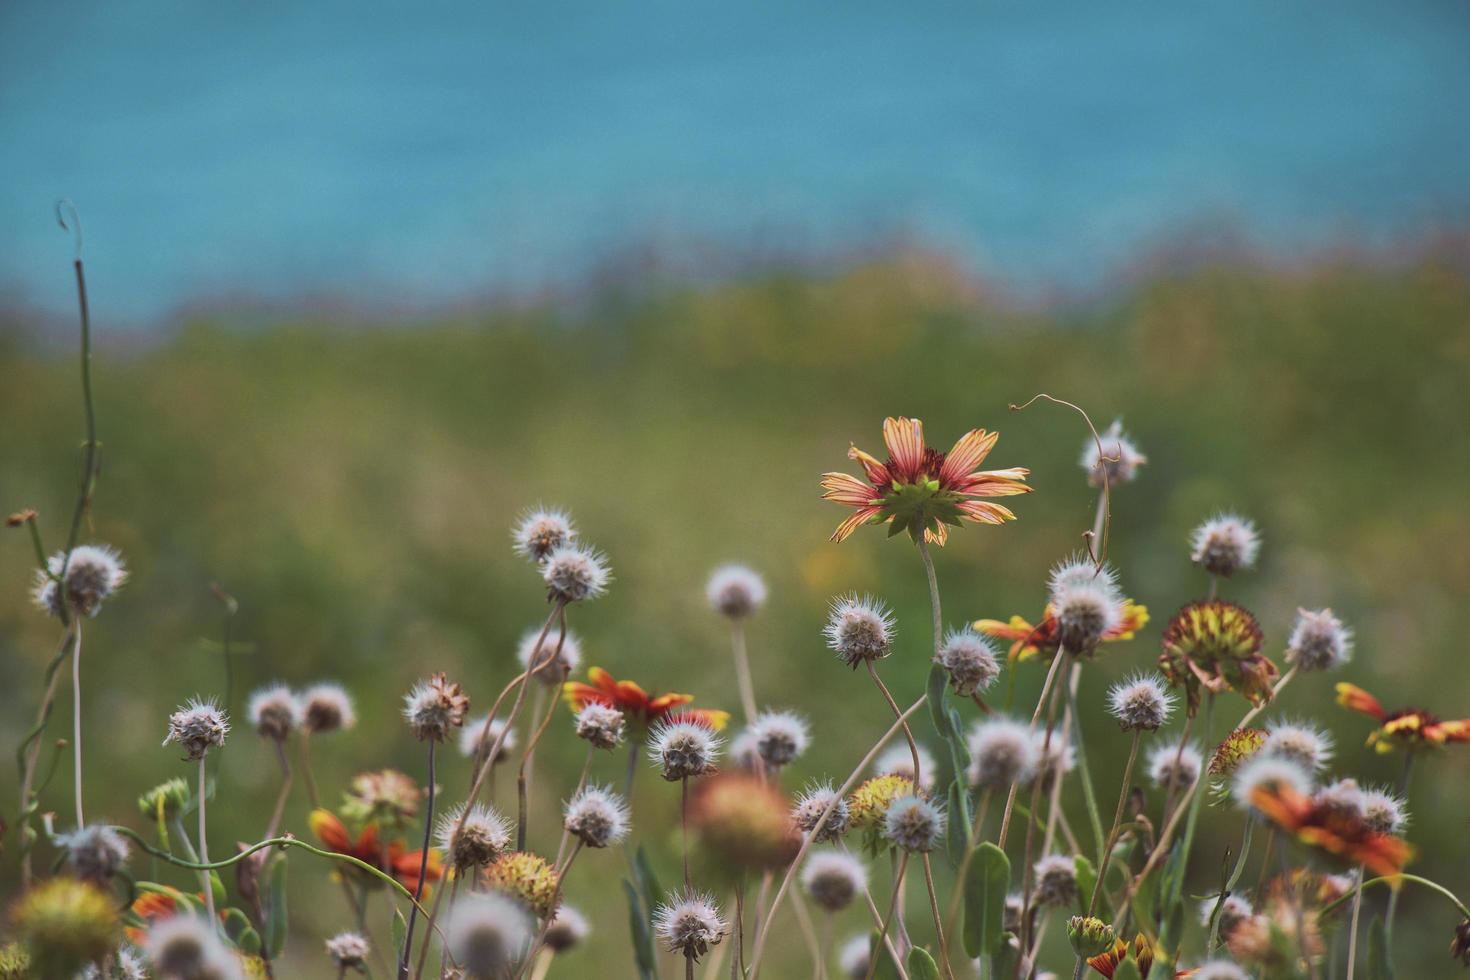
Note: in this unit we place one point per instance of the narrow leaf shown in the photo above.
(276, 925)
(986, 882)
(937, 708)
(642, 938)
(922, 965)
(1086, 881)
(1127, 970)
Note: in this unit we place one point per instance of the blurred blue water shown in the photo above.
(418, 151)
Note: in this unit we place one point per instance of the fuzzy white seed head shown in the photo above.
(489, 934)
(1010, 920)
(970, 660)
(1344, 797)
(434, 708)
(735, 591)
(1233, 911)
(1118, 460)
(553, 666)
(1056, 880)
(484, 837)
(681, 749)
(575, 573)
(914, 824)
(348, 950)
(1383, 812)
(1225, 544)
(1262, 772)
(833, 879)
(1319, 641)
(780, 737)
(198, 727)
(1141, 703)
(1086, 603)
(1171, 768)
(273, 712)
(898, 760)
(475, 740)
(94, 572)
(187, 946)
(810, 806)
(1301, 743)
(1219, 970)
(690, 924)
(326, 708)
(569, 928)
(859, 629)
(743, 751)
(1079, 570)
(853, 957)
(1002, 751)
(597, 817)
(541, 531)
(601, 725)
(1054, 757)
(95, 853)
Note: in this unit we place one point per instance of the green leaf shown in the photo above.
(986, 882)
(276, 925)
(1086, 882)
(249, 942)
(938, 679)
(235, 923)
(886, 969)
(1003, 961)
(648, 885)
(1127, 970)
(1377, 965)
(400, 934)
(959, 811)
(642, 938)
(922, 965)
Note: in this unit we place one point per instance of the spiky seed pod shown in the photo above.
(690, 924)
(385, 797)
(198, 727)
(601, 725)
(1383, 812)
(568, 929)
(552, 673)
(170, 796)
(1056, 881)
(682, 749)
(489, 934)
(65, 923)
(810, 806)
(273, 712)
(780, 737)
(434, 708)
(868, 804)
(475, 740)
(1089, 935)
(735, 591)
(1265, 772)
(898, 760)
(1002, 751)
(1225, 544)
(525, 876)
(853, 957)
(1299, 742)
(326, 708)
(1140, 703)
(575, 573)
(1219, 970)
(1118, 461)
(1319, 641)
(1235, 750)
(596, 816)
(859, 629)
(186, 946)
(1086, 603)
(484, 837)
(1169, 768)
(1344, 798)
(833, 879)
(970, 660)
(914, 824)
(541, 531)
(1233, 911)
(94, 572)
(1219, 644)
(95, 853)
(348, 950)
(743, 822)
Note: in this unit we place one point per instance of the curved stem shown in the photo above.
(204, 851)
(938, 921)
(76, 715)
(1106, 853)
(418, 888)
(280, 807)
(29, 754)
(1391, 881)
(311, 791)
(1046, 688)
(1235, 873)
(1353, 929)
(743, 676)
(903, 863)
(1089, 795)
(907, 733)
(523, 774)
(561, 848)
(808, 932)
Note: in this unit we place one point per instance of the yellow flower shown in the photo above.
(869, 803)
(528, 877)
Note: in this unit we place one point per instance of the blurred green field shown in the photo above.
(353, 485)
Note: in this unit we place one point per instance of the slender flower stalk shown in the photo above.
(903, 863)
(1112, 836)
(893, 705)
(1041, 701)
(204, 850)
(1353, 928)
(76, 715)
(523, 774)
(1027, 926)
(418, 889)
(279, 809)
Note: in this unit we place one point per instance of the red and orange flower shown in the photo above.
(1028, 641)
(1409, 727)
(920, 490)
(637, 704)
(1141, 953)
(394, 859)
(1339, 832)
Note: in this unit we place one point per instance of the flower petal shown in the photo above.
(857, 520)
(969, 452)
(844, 488)
(329, 830)
(877, 472)
(937, 535)
(1354, 697)
(983, 513)
(905, 441)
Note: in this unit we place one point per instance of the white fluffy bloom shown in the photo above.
(575, 573)
(1002, 751)
(1224, 544)
(1141, 703)
(601, 725)
(681, 749)
(1119, 459)
(483, 838)
(540, 531)
(348, 949)
(812, 803)
(187, 946)
(1086, 603)
(970, 660)
(95, 853)
(94, 572)
(596, 816)
(568, 928)
(489, 934)
(689, 924)
(326, 708)
(780, 737)
(1056, 880)
(475, 740)
(1219, 970)
(198, 726)
(833, 879)
(859, 629)
(898, 760)
(914, 824)
(1168, 766)
(1319, 641)
(1265, 771)
(1299, 742)
(735, 591)
(568, 656)
(1384, 812)
(273, 711)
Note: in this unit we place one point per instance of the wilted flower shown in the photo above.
(868, 804)
(1056, 880)
(637, 705)
(1174, 766)
(898, 760)
(1118, 459)
(1224, 544)
(914, 824)
(600, 725)
(541, 531)
(970, 661)
(575, 573)
(528, 877)
(743, 752)
(434, 707)
(1383, 812)
(93, 573)
(1299, 742)
(689, 924)
(859, 629)
(681, 749)
(1085, 602)
(1344, 796)
(1002, 752)
(1029, 641)
(1236, 749)
(198, 727)
(744, 822)
(1460, 942)
(735, 591)
(326, 708)
(920, 490)
(186, 946)
(1140, 704)
(1216, 645)
(385, 797)
(564, 647)
(65, 923)
(1409, 727)
(780, 737)
(833, 879)
(810, 806)
(489, 935)
(475, 740)
(273, 712)
(1319, 641)
(483, 838)
(95, 853)
(596, 816)
(568, 928)
(348, 950)
(1089, 935)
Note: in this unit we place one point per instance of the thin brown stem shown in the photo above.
(907, 733)
(76, 716)
(1036, 786)
(1111, 839)
(684, 826)
(33, 754)
(311, 790)
(743, 676)
(903, 863)
(1353, 928)
(418, 888)
(938, 921)
(1046, 689)
(280, 808)
(204, 851)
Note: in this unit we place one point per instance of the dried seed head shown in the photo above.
(475, 739)
(198, 726)
(853, 957)
(1233, 911)
(1219, 970)
(568, 928)
(94, 572)
(690, 924)
(95, 853)
(914, 824)
(1344, 797)
(1054, 757)
(833, 879)
(970, 660)
(1002, 751)
(348, 950)
(735, 591)
(528, 877)
(780, 737)
(1301, 743)
(489, 934)
(1171, 768)
(898, 760)
(326, 708)
(484, 837)
(601, 725)
(1383, 812)
(1056, 880)
(549, 671)
(541, 531)
(1086, 603)
(575, 573)
(273, 711)
(1119, 459)
(1319, 641)
(1267, 771)
(681, 749)
(1224, 544)
(434, 708)
(126, 965)
(868, 804)
(1140, 703)
(1078, 570)
(810, 806)
(597, 817)
(859, 629)
(187, 946)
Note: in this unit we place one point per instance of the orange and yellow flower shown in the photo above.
(1141, 953)
(1339, 832)
(394, 859)
(1409, 727)
(1028, 641)
(920, 490)
(637, 704)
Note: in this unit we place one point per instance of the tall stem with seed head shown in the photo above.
(418, 888)
(76, 716)
(204, 850)
(903, 863)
